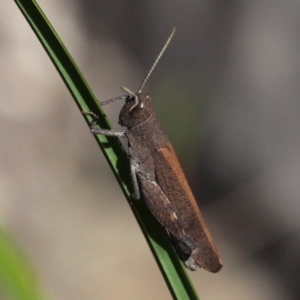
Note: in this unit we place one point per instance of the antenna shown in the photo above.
(157, 59)
(136, 99)
(127, 90)
(113, 100)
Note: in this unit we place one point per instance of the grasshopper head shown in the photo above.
(136, 110)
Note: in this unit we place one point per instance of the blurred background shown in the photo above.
(227, 93)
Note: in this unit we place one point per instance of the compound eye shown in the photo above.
(144, 101)
(129, 99)
(135, 104)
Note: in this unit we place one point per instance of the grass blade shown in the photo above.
(17, 278)
(156, 236)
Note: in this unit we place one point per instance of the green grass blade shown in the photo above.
(17, 279)
(156, 236)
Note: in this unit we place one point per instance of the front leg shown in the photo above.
(95, 130)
